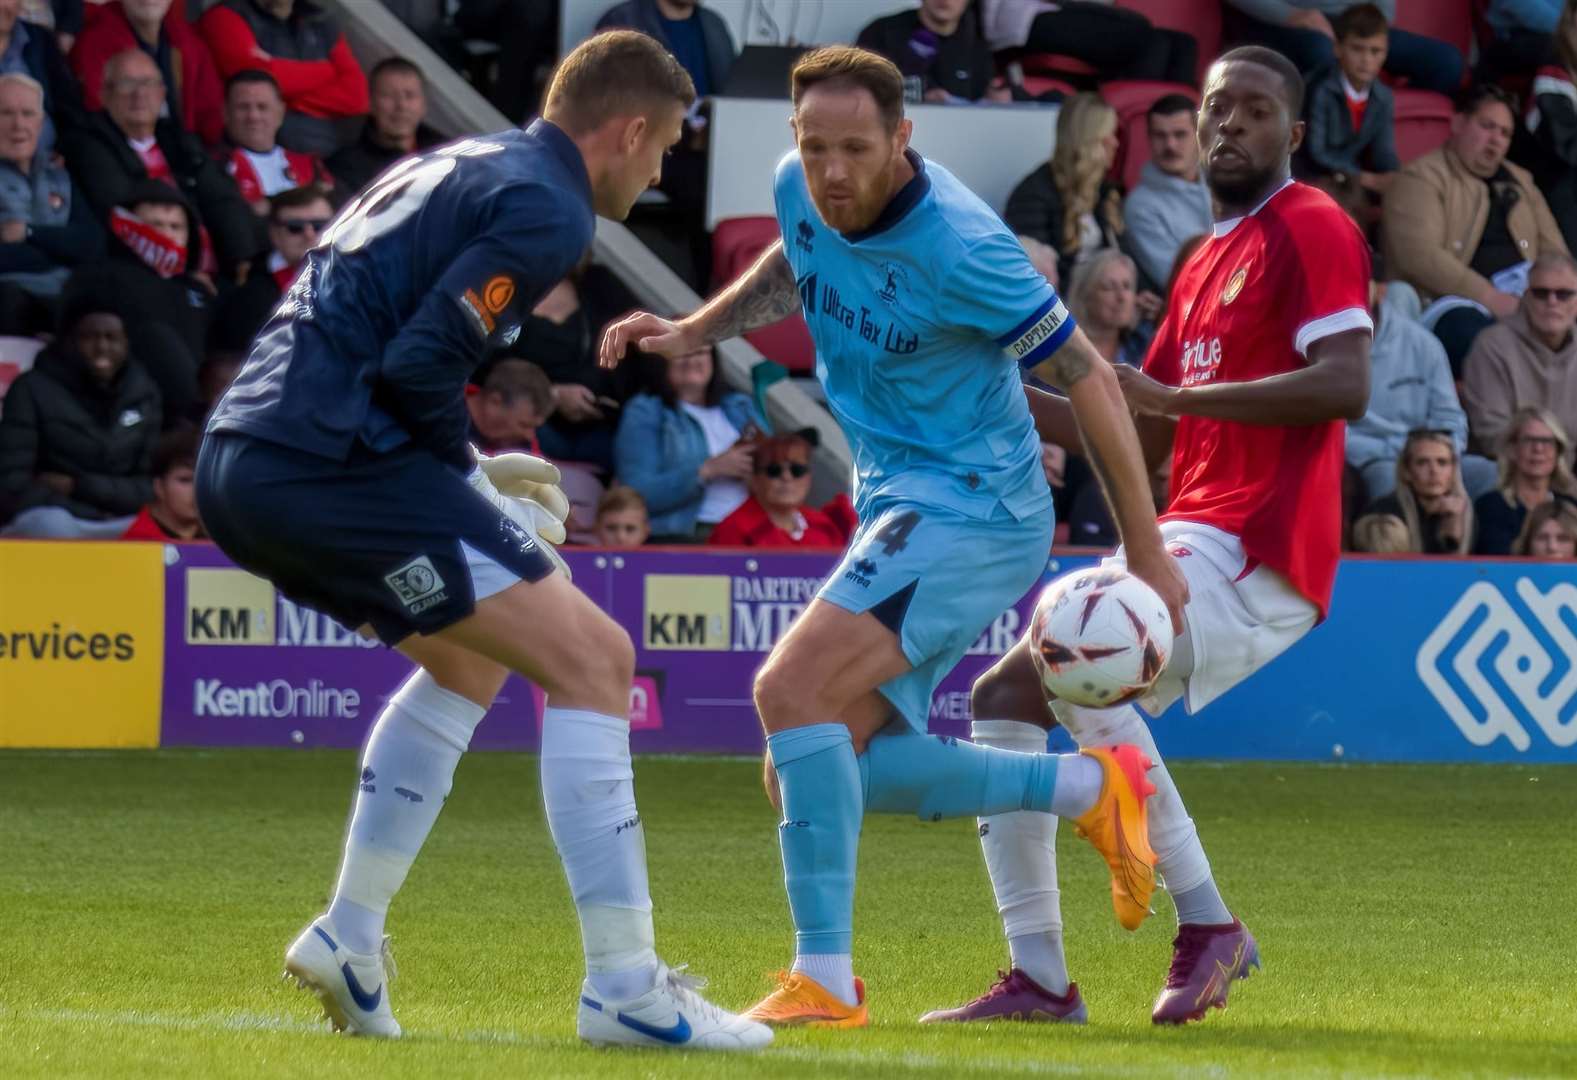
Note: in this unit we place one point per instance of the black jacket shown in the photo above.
(1035, 210)
(62, 95)
(961, 64)
(1332, 146)
(1546, 145)
(357, 165)
(57, 419)
(107, 168)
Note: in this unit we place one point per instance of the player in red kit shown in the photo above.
(1261, 358)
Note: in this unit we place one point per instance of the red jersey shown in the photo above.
(146, 527)
(749, 526)
(1248, 304)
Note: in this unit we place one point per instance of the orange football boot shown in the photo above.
(1118, 826)
(800, 1001)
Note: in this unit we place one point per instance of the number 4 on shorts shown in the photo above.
(894, 536)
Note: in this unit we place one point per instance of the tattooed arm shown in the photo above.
(760, 297)
(1112, 448)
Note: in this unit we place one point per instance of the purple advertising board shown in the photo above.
(1421, 660)
(244, 666)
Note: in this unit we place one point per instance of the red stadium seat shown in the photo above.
(1202, 18)
(16, 356)
(1055, 64)
(1132, 100)
(1423, 122)
(1450, 21)
(735, 245)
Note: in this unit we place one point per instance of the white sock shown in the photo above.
(1021, 857)
(407, 770)
(1179, 856)
(1079, 783)
(588, 785)
(835, 971)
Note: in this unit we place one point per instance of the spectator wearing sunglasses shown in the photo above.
(1535, 470)
(296, 220)
(1529, 359)
(775, 514)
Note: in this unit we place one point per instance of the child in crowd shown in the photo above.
(621, 518)
(1350, 148)
(172, 515)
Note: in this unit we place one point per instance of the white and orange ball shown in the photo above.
(1100, 636)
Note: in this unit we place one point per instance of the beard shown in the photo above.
(853, 214)
(1242, 189)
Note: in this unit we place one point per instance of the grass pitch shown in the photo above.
(1415, 921)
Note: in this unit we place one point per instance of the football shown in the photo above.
(1102, 637)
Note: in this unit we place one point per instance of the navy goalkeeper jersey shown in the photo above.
(441, 257)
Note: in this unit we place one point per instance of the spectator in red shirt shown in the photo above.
(305, 51)
(254, 110)
(172, 515)
(775, 514)
(191, 81)
(621, 518)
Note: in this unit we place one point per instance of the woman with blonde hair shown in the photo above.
(1429, 501)
(1535, 469)
(1104, 300)
(1070, 203)
(1549, 533)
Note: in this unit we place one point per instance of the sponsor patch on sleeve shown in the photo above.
(483, 306)
(1038, 336)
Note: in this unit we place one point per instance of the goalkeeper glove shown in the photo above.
(525, 489)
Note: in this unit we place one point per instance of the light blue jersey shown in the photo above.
(921, 324)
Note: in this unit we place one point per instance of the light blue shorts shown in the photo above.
(937, 579)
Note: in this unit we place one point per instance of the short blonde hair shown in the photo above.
(618, 498)
(614, 73)
(1382, 534)
(1087, 274)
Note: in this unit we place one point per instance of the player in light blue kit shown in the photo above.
(924, 310)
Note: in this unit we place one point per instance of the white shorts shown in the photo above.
(1240, 616)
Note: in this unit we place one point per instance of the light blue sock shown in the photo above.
(936, 777)
(820, 832)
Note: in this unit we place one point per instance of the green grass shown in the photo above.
(1415, 921)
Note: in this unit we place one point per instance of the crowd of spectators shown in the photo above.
(165, 167)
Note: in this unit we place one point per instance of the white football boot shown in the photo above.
(352, 987)
(671, 1014)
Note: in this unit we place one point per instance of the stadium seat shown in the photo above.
(1132, 100)
(735, 244)
(1450, 21)
(1423, 122)
(16, 356)
(1202, 18)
